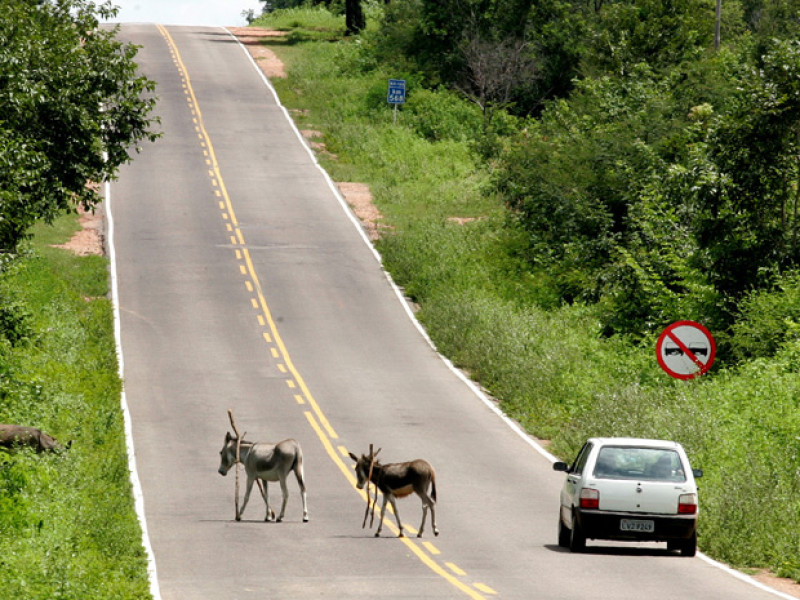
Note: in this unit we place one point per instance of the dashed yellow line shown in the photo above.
(425, 551)
(485, 588)
(431, 548)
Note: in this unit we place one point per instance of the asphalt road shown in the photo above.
(244, 283)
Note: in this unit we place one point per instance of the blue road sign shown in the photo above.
(397, 91)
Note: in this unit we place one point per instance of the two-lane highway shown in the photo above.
(244, 282)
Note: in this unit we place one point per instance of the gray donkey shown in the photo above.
(266, 462)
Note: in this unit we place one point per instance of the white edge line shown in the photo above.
(743, 577)
(138, 496)
(406, 306)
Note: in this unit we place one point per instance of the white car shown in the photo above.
(629, 489)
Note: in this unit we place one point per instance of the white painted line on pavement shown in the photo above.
(138, 497)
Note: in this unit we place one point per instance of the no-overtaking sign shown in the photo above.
(685, 350)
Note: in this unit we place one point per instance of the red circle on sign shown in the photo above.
(680, 347)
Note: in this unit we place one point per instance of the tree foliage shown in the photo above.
(71, 107)
(666, 185)
(656, 209)
(655, 175)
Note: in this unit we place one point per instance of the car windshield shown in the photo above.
(629, 462)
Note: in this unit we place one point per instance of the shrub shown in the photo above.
(768, 319)
(438, 115)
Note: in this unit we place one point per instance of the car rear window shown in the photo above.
(630, 462)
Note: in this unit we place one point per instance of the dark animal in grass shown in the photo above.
(15, 436)
(398, 480)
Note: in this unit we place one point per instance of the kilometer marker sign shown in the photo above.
(685, 350)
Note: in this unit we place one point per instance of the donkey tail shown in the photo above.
(433, 485)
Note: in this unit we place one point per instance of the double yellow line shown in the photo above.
(316, 418)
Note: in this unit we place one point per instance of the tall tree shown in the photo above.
(661, 33)
(492, 70)
(354, 17)
(71, 106)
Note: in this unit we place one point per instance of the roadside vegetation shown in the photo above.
(550, 229)
(68, 528)
(71, 107)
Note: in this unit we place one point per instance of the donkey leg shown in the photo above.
(262, 485)
(424, 516)
(285, 491)
(396, 515)
(246, 497)
(301, 482)
(432, 505)
(383, 512)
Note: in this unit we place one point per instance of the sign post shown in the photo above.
(396, 95)
(685, 350)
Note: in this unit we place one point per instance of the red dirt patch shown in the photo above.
(89, 239)
(266, 59)
(359, 198)
(787, 586)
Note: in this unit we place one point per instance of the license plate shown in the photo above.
(637, 525)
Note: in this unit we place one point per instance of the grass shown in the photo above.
(549, 368)
(68, 529)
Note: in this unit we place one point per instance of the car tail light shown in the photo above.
(590, 498)
(687, 504)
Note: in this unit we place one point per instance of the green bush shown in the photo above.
(14, 321)
(440, 115)
(768, 320)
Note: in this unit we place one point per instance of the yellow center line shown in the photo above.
(316, 418)
(485, 588)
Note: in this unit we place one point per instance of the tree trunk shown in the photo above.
(354, 17)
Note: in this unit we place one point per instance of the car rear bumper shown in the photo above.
(605, 525)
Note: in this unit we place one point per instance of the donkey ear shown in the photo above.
(376, 452)
(353, 456)
(228, 437)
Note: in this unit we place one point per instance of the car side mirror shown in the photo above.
(698, 473)
(561, 466)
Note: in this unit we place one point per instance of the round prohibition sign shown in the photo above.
(685, 350)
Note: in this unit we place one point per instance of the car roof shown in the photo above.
(626, 441)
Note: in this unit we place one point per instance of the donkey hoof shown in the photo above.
(238, 518)
(401, 534)
(377, 535)
(305, 519)
(419, 535)
(435, 532)
(279, 519)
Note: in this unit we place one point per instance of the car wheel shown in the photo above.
(577, 541)
(563, 534)
(689, 547)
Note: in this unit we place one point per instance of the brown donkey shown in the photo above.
(398, 480)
